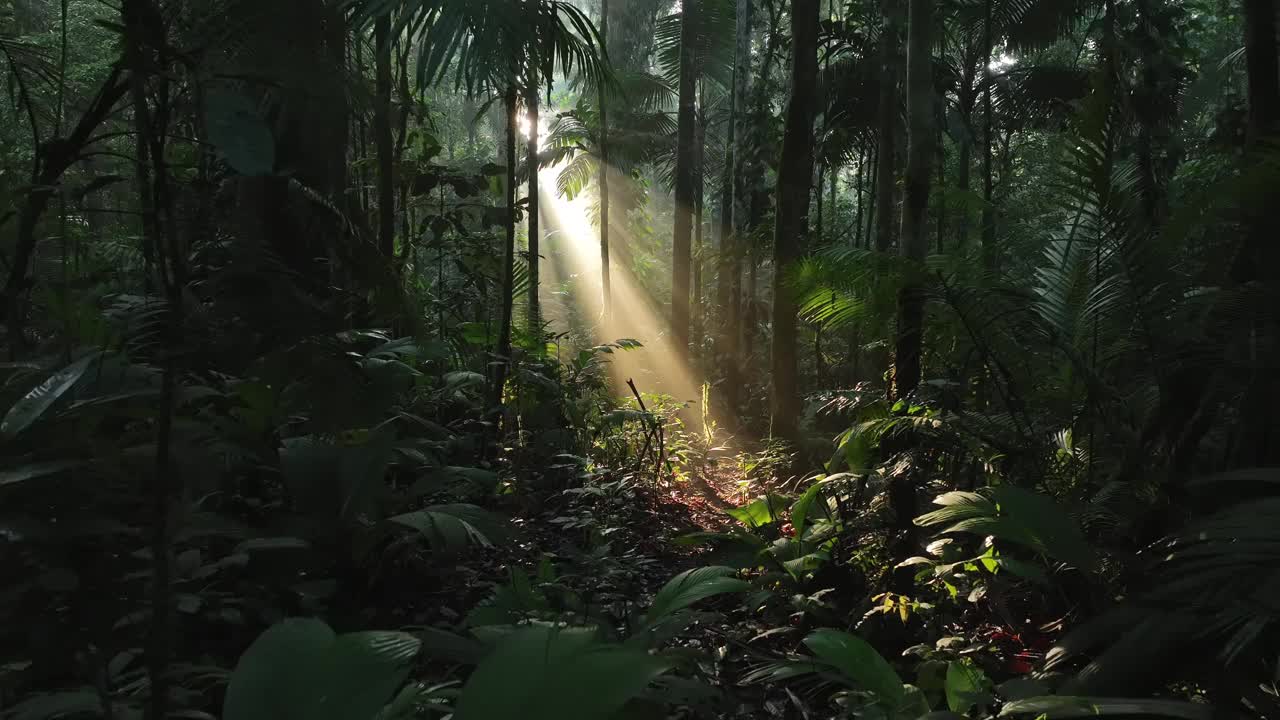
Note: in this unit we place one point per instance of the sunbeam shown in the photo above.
(572, 249)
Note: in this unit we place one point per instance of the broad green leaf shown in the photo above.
(1054, 707)
(691, 586)
(956, 506)
(966, 687)
(1055, 533)
(1015, 515)
(274, 677)
(32, 406)
(360, 674)
(31, 471)
(859, 662)
(738, 549)
(454, 526)
(299, 670)
(551, 673)
(237, 129)
(56, 705)
(765, 510)
(804, 506)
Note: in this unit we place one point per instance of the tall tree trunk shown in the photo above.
(697, 315)
(533, 83)
(858, 189)
(503, 349)
(1264, 73)
(1259, 258)
(795, 175)
(681, 242)
(915, 216)
(873, 195)
(382, 135)
(941, 221)
(990, 256)
(890, 61)
(606, 303)
(738, 190)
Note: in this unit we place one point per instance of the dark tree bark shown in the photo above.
(682, 240)
(382, 137)
(697, 314)
(886, 173)
(603, 180)
(736, 213)
(915, 217)
(990, 256)
(1259, 258)
(531, 160)
(503, 349)
(795, 175)
(857, 192)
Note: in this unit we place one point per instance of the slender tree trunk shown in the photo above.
(873, 196)
(737, 213)
(404, 47)
(915, 216)
(990, 255)
(890, 62)
(819, 191)
(533, 83)
(724, 236)
(941, 223)
(382, 135)
(795, 175)
(697, 314)
(858, 189)
(681, 242)
(503, 350)
(1259, 258)
(603, 180)
(964, 182)
(696, 311)
(1264, 73)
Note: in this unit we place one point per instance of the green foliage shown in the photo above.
(690, 587)
(1015, 515)
(859, 663)
(301, 669)
(546, 672)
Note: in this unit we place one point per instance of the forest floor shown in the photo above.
(610, 553)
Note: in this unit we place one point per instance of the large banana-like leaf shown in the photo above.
(549, 673)
(1016, 515)
(691, 586)
(859, 662)
(1054, 707)
(32, 406)
(452, 527)
(300, 670)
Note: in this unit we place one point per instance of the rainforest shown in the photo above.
(639, 359)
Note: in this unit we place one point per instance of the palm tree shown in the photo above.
(795, 174)
(487, 44)
(637, 133)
